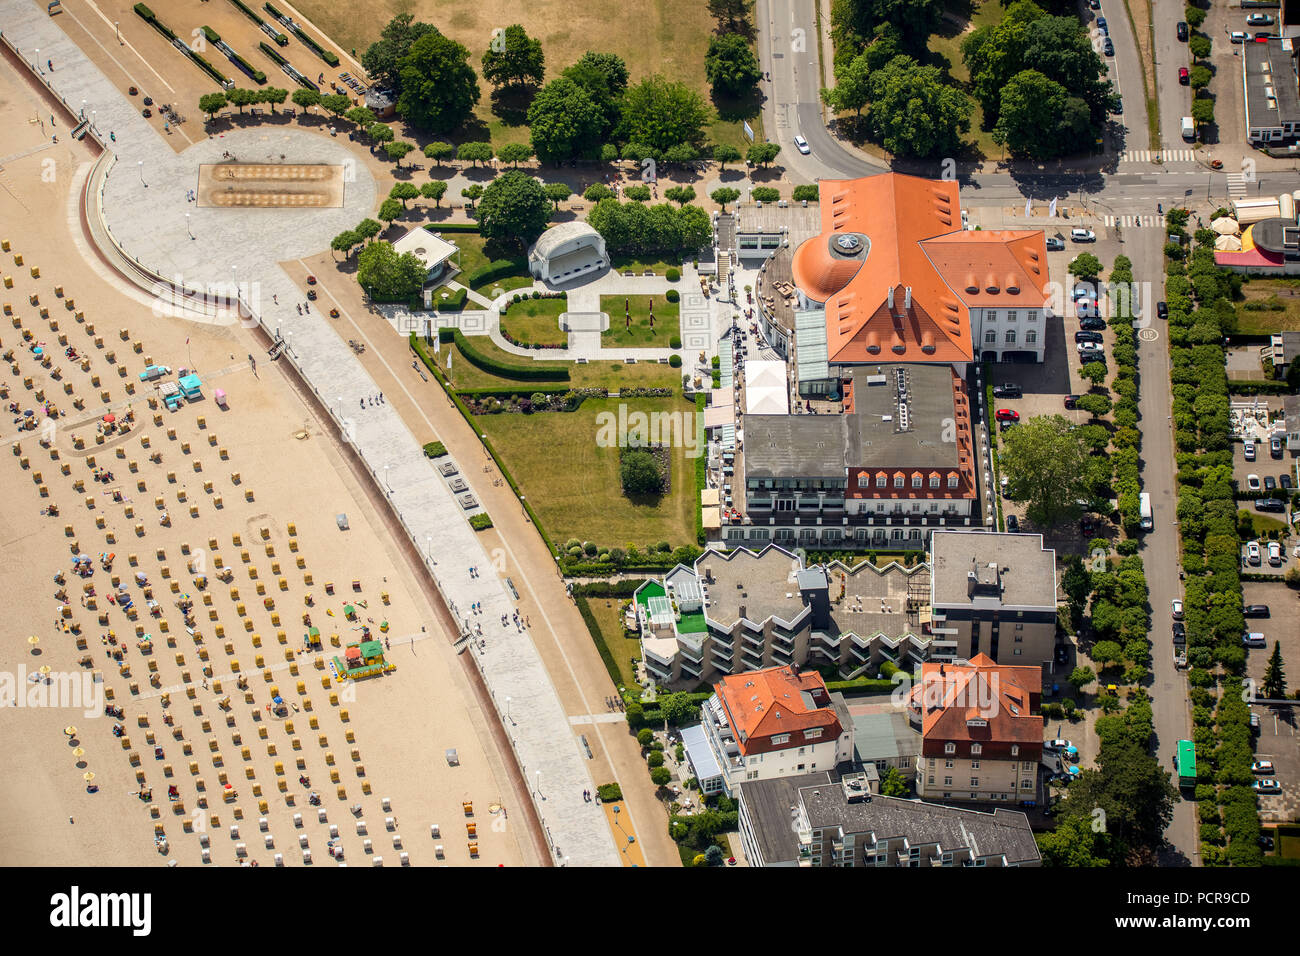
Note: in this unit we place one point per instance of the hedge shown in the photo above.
(434, 449)
(866, 685)
(500, 269)
(480, 522)
(508, 393)
(620, 589)
(598, 639)
(454, 302)
(451, 226)
(212, 35)
(327, 55)
(1258, 388)
(248, 12)
(493, 367)
(609, 792)
(701, 478)
(273, 54)
(144, 11)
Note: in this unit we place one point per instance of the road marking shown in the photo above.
(1237, 185)
(1134, 221)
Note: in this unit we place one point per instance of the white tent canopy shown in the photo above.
(1227, 244)
(1225, 226)
(766, 389)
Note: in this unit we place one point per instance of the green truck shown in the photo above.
(1186, 764)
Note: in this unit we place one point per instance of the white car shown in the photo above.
(1248, 449)
(1262, 766)
(1238, 36)
(1082, 235)
(1274, 553)
(1252, 552)
(1267, 786)
(1060, 743)
(1252, 482)
(801, 144)
(1258, 20)
(1178, 609)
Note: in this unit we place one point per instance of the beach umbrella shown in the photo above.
(79, 752)
(88, 776)
(38, 351)
(70, 731)
(1225, 226)
(44, 670)
(110, 418)
(1228, 244)
(1072, 749)
(33, 640)
(1072, 771)
(27, 413)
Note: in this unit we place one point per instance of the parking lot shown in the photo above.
(1279, 742)
(1284, 605)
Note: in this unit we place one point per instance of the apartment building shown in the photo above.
(744, 610)
(993, 594)
(981, 732)
(768, 723)
(819, 821)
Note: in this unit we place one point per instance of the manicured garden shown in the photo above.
(647, 321)
(535, 322)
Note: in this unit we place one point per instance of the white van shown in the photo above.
(1144, 511)
(1189, 129)
(1254, 639)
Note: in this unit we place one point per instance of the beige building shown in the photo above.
(982, 735)
(993, 594)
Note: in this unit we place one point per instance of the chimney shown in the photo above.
(891, 298)
(907, 297)
(742, 610)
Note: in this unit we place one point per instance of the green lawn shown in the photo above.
(437, 297)
(657, 266)
(1288, 845)
(1276, 292)
(1263, 524)
(535, 321)
(639, 332)
(494, 289)
(610, 375)
(622, 645)
(573, 483)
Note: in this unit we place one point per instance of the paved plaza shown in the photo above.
(146, 209)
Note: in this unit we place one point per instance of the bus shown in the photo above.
(1144, 510)
(1186, 764)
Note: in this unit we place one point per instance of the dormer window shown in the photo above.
(975, 750)
(950, 748)
(952, 481)
(1015, 750)
(812, 733)
(779, 739)
(916, 481)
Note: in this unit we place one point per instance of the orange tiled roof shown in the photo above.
(1004, 697)
(916, 243)
(766, 703)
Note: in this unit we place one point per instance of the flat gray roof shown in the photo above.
(703, 760)
(764, 584)
(1000, 833)
(884, 734)
(931, 417)
(1270, 66)
(798, 446)
(1027, 570)
(803, 222)
(769, 803)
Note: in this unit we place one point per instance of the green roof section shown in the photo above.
(692, 624)
(651, 589)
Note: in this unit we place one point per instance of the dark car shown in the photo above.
(1117, 105)
(1265, 842)
(1284, 481)
(1255, 610)
(1071, 401)
(1162, 309)
(1007, 390)
(1108, 48)
(1270, 483)
(1101, 25)
(1013, 523)
(1087, 337)
(1055, 243)
(1180, 632)
(1004, 425)
(1270, 504)
(1093, 323)
(1182, 30)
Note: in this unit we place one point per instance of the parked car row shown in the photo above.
(1254, 554)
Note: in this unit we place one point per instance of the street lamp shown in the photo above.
(117, 30)
(428, 550)
(508, 717)
(187, 225)
(386, 484)
(139, 164)
(83, 109)
(539, 783)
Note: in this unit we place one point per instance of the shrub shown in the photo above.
(645, 736)
(660, 776)
(609, 792)
(454, 302)
(672, 295)
(434, 449)
(807, 193)
(765, 194)
(480, 522)
(675, 360)
(673, 274)
(656, 759)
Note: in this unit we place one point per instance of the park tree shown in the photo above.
(1199, 46)
(1131, 788)
(596, 192)
(765, 194)
(240, 97)
(397, 150)
(212, 103)
(694, 228)
(676, 707)
(640, 476)
(1080, 678)
(514, 209)
(402, 192)
(564, 122)
(731, 14)
(345, 242)
(1107, 654)
(660, 776)
(368, 228)
(1038, 117)
(1203, 110)
(389, 210)
(1274, 685)
(914, 112)
(435, 189)
(472, 193)
(760, 154)
(385, 274)
(513, 58)
(808, 192)
(852, 90)
(438, 86)
(383, 58)
(604, 78)
(1076, 581)
(1200, 77)
(893, 785)
(681, 153)
(380, 133)
(362, 116)
(1044, 461)
(724, 195)
(914, 20)
(474, 153)
(730, 65)
(515, 153)
(726, 154)
(335, 103)
(438, 151)
(680, 194)
(1085, 266)
(1074, 843)
(557, 193)
(274, 96)
(662, 113)
(305, 99)
(1094, 372)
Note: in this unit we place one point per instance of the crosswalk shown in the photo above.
(1237, 185)
(1165, 155)
(1134, 222)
